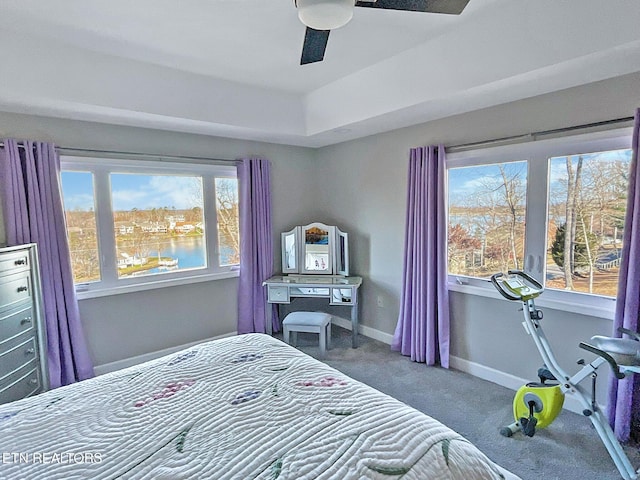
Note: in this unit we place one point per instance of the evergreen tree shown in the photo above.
(581, 257)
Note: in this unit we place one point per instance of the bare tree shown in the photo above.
(577, 193)
(590, 256)
(228, 217)
(568, 245)
(513, 201)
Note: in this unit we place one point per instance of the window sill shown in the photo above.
(555, 304)
(152, 285)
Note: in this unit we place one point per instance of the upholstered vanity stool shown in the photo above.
(311, 322)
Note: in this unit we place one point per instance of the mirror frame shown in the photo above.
(296, 256)
(342, 253)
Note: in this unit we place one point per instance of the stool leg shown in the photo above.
(285, 334)
(294, 337)
(323, 341)
(329, 336)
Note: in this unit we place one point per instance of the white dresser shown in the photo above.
(23, 358)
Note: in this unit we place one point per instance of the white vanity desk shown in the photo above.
(315, 264)
(338, 290)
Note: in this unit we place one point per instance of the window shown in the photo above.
(553, 208)
(79, 202)
(486, 218)
(587, 202)
(132, 223)
(228, 225)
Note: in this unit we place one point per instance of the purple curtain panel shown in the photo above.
(624, 395)
(33, 213)
(422, 331)
(256, 245)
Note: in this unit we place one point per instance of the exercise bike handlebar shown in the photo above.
(528, 278)
(501, 290)
(507, 294)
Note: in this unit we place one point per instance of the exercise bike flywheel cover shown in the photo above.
(550, 397)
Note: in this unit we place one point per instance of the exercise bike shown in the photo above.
(537, 404)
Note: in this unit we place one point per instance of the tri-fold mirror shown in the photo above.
(315, 249)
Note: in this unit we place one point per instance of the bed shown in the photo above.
(245, 407)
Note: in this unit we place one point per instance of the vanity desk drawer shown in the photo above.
(343, 296)
(278, 294)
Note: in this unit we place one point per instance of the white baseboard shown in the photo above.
(507, 380)
(364, 330)
(138, 359)
(487, 373)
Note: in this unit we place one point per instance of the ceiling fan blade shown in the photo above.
(315, 43)
(452, 7)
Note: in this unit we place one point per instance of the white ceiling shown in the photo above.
(231, 67)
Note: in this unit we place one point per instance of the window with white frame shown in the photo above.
(141, 222)
(553, 208)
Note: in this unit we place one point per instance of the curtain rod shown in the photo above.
(71, 150)
(534, 135)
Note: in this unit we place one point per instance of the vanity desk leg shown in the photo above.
(354, 325)
(269, 314)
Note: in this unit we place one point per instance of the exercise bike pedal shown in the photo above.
(545, 374)
(528, 425)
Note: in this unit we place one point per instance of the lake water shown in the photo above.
(189, 251)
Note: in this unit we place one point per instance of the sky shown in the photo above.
(465, 182)
(130, 191)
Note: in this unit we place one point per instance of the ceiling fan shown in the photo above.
(322, 16)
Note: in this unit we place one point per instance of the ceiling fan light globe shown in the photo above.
(325, 14)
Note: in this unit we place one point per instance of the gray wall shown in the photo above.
(367, 179)
(126, 325)
(360, 186)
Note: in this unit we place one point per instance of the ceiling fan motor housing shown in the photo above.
(325, 14)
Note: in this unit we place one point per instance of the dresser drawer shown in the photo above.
(14, 262)
(15, 289)
(15, 323)
(15, 357)
(21, 384)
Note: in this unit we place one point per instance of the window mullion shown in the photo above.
(106, 234)
(211, 222)
(536, 217)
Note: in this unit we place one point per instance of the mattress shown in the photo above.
(245, 407)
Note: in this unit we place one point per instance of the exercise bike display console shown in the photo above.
(537, 404)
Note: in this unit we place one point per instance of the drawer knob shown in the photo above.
(25, 320)
(20, 261)
(33, 381)
(22, 289)
(29, 351)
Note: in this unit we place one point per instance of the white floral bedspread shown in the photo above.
(246, 407)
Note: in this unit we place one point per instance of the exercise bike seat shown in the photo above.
(625, 352)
